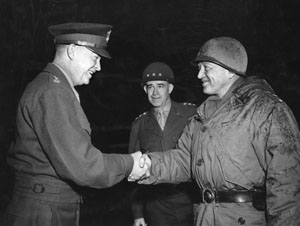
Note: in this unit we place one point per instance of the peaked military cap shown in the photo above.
(91, 35)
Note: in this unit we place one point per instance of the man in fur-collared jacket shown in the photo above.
(242, 148)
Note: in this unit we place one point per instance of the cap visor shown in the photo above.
(101, 52)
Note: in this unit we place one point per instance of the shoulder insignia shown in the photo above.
(141, 115)
(55, 79)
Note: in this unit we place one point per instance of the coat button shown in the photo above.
(199, 162)
(203, 129)
(241, 221)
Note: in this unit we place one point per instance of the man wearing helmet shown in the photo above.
(242, 148)
(158, 130)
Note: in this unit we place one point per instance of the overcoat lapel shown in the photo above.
(152, 125)
(173, 116)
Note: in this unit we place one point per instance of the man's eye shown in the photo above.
(207, 69)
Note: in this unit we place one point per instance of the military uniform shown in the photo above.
(166, 204)
(250, 139)
(53, 153)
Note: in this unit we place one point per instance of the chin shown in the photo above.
(206, 90)
(155, 104)
(86, 82)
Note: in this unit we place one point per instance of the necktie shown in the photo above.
(161, 119)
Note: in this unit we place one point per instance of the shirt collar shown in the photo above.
(164, 109)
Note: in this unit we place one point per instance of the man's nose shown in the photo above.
(98, 65)
(201, 73)
(155, 91)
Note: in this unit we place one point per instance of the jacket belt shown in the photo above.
(231, 196)
(47, 189)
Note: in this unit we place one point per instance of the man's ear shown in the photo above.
(171, 87)
(145, 88)
(71, 51)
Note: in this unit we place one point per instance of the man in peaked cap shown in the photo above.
(53, 154)
(242, 148)
(93, 36)
(158, 130)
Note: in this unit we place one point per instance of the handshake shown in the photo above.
(141, 167)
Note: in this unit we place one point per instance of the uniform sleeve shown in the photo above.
(283, 171)
(173, 166)
(65, 139)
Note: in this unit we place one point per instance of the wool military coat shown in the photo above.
(54, 137)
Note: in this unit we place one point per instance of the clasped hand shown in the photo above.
(141, 166)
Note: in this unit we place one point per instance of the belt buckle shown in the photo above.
(208, 195)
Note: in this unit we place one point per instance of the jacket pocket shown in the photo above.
(233, 174)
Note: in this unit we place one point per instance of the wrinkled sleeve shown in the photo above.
(67, 144)
(283, 171)
(173, 166)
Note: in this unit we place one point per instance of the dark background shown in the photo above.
(144, 31)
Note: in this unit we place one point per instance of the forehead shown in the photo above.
(211, 66)
(157, 82)
(207, 64)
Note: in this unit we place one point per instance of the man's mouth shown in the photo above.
(205, 82)
(155, 97)
(90, 72)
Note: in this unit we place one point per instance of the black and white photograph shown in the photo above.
(150, 113)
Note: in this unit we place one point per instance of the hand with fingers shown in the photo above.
(141, 167)
(139, 222)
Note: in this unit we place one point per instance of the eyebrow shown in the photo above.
(207, 65)
(157, 84)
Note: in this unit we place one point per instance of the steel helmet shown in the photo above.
(158, 71)
(226, 52)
